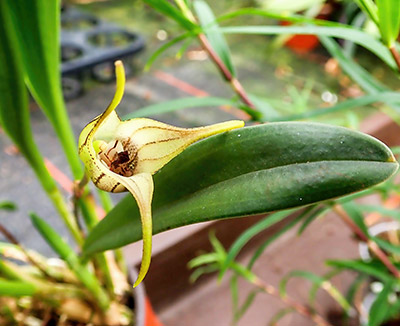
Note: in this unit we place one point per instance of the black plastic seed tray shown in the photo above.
(87, 41)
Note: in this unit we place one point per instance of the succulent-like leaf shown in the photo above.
(249, 171)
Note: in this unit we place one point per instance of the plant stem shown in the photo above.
(379, 253)
(299, 308)
(271, 290)
(395, 55)
(234, 82)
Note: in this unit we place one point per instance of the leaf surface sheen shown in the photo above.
(248, 171)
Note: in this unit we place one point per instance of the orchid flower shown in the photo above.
(123, 155)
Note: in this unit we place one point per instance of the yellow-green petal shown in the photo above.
(141, 187)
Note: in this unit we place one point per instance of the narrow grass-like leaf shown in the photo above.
(372, 268)
(213, 33)
(264, 107)
(179, 104)
(313, 278)
(234, 288)
(348, 33)
(393, 213)
(55, 241)
(16, 289)
(317, 282)
(258, 252)
(217, 245)
(389, 20)
(246, 236)
(163, 48)
(201, 270)
(356, 215)
(8, 205)
(380, 309)
(204, 259)
(354, 288)
(245, 305)
(279, 315)
(249, 171)
(167, 9)
(332, 290)
(369, 7)
(320, 210)
(361, 76)
(390, 98)
(387, 246)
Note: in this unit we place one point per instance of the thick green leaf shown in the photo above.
(389, 20)
(249, 171)
(213, 33)
(347, 33)
(178, 104)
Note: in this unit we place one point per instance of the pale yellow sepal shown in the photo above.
(123, 155)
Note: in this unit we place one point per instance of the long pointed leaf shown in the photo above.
(213, 33)
(249, 171)
(389, 20)
(348, 33)
(36, 24)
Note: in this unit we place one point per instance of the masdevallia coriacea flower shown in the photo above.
(123, 155)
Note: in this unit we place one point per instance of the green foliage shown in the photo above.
(213, 33)
(169, 10)
(380, 309)
(8, 205)
(16, 288)
(266, 168)
(178, 104)
(68, 255)
(251, 170)
(36, 28)
(389, 20)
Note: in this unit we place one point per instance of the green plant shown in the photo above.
(383, 266)
(237, 173)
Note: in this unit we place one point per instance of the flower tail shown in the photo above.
(141, 187)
